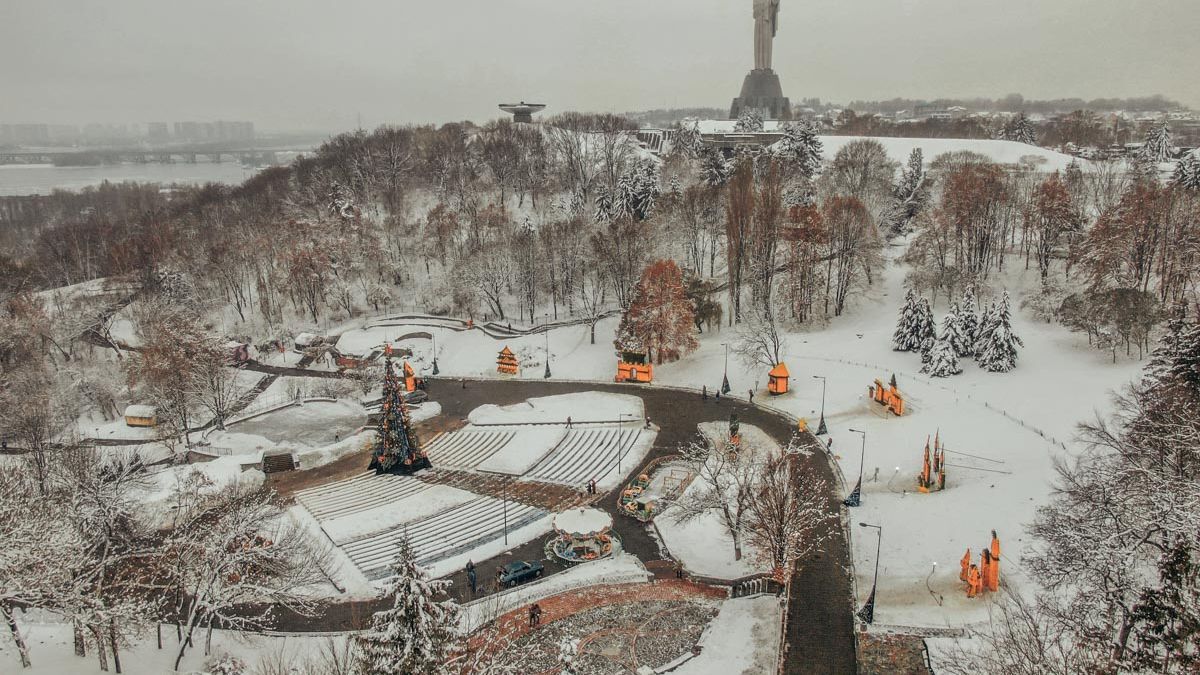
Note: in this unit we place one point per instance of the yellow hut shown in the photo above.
(633, 366)
(141, 416)
(506, 362)
(777, 379)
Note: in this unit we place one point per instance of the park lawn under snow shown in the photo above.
(51, 650)
(743, 639)
(703, 544)
(524, 451)
(592, 406)
(1024, 418)
(393, 514)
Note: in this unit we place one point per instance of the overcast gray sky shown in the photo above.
(318, 64)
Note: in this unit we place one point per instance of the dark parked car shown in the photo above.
(519, 572)
(416, 397)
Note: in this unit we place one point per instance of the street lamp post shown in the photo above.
(725, 377)
(435, 366)
(547, 375)
(821, 429)
(867, 613)
(620, 423)
(855, 497)
(505, 492)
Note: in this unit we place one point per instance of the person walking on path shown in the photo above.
(568, 421)
(471, 578)
(678, 570)
(751, 392)
(535, 615)
(704, 393)
(718, 395)
(463, 380)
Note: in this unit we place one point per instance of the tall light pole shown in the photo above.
(867, 613)
(821, 429)
(725, 377)
(855, 497)
(505, 484)
(547, 375)
(435, 367)
(620, 424)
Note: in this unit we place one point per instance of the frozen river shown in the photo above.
(41, 179)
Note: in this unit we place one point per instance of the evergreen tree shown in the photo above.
(1157, 148)
(1187, 173)
(910, 193)
(715, 169)
(943, 361)
(1020, 129)
(750, 120)
(800, 148)
(397, 447)
(1167, 618)
(417, 635)
(998, 348)
(968, 315)
(907, 338)
(926, 329)
(954, 330)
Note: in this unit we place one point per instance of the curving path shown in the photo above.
(820, 628)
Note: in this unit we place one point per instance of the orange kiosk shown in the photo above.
(506, 362)
(777, 380)
(889, 397)
(634, 367)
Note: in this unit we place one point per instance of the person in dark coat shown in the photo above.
(472, 579)
(704, 392)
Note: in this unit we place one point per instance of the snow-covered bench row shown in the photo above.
(360, 493)
(467, 448)
(441, 535)
(585, 454)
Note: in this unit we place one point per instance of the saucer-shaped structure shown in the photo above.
(522, 112)
(583, 534)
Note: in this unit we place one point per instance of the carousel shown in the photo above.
(583, 535)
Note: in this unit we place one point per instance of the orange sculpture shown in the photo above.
(986, 575)
(966, 565)
(632, 366)
(777, 380)
(933, 467)
(890, 398)
(974, 582)
(506, 363)
(410, 378)
(992, 582)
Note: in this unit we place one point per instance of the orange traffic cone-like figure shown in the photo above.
(974, 582)
(985, 569)
(966, 565)
(410, 378)
(992, 582)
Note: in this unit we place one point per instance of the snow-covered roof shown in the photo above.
(305, 338)
(138, 410)
(583, 522)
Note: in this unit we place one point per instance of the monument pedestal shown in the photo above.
(761, 90)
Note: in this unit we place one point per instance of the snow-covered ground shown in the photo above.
(50, 645)
(393, 514)
(703, 544)
(742, 640)
(590, 406)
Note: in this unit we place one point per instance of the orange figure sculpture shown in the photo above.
(777, 380)
(992, 582)
(891, 398)
(974, 582)
(985, 569)
(410, 378)
(966, 565)
(506, 362)
(923, 479)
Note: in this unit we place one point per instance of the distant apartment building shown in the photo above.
(25, 134)
(221, 130)
(157, 132)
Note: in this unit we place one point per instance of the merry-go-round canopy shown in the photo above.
(583, 522)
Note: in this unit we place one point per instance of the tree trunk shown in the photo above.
(80, 643)
(112, 642)
(22, 648)
(101, 652)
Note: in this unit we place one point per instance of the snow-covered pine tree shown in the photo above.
(954, 330)
(715, 169)
(910, 192)
(968, 315)
(1157, 147)
(926, 329)
(1187, 173)
(800, 147)
(998, 349)
(906, 337)
(687, 140)
(943, 361)
(986, 318)
(1021, 130)
(1176, 359)
(418, 634)
(750, 120)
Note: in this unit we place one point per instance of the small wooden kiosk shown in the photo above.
(633, 366)
(506, 362)
(141, 416)
(777, 380)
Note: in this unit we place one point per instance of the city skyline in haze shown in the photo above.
(308, 65)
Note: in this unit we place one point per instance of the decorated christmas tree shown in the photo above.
(397, 449)
(415, 635)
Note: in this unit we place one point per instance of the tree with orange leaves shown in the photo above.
(659, 318)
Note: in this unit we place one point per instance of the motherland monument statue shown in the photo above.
(761, 89)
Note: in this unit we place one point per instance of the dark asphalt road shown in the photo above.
(819, 638)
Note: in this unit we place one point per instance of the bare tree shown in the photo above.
(759, 342)
(789, 513)
(727, 475)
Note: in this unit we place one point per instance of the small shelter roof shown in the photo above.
(138, 410)
(506, 351)
(780, 370)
